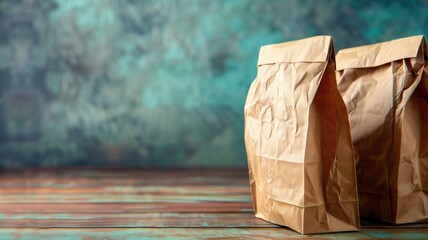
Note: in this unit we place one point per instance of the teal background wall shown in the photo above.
(160, 83)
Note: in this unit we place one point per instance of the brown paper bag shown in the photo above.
(385, 88)
(300, 155)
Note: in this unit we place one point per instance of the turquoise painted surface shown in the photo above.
(155, 83)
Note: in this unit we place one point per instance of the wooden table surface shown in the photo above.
(142, 204)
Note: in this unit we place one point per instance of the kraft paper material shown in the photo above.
(297, 136)
(385, 88)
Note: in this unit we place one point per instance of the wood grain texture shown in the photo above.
(143, 204)
(200, 233)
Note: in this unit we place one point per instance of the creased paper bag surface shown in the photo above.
(385, 88)
(297, 137)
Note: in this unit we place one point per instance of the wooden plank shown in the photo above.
(118, 174)
(126, 207)
(142, 181)
(90, 220)
(168, 219)
(107, 181)
(122, 198)
(201, 233)
(115, 176)
(130, 189)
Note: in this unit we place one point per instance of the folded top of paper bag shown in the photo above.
(314, 49)
(381, 53)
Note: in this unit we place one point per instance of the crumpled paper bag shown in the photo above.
(385, 88)
(297, 137)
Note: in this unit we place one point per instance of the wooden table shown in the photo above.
(142, 204)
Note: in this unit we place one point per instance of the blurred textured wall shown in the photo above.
(157, 83)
